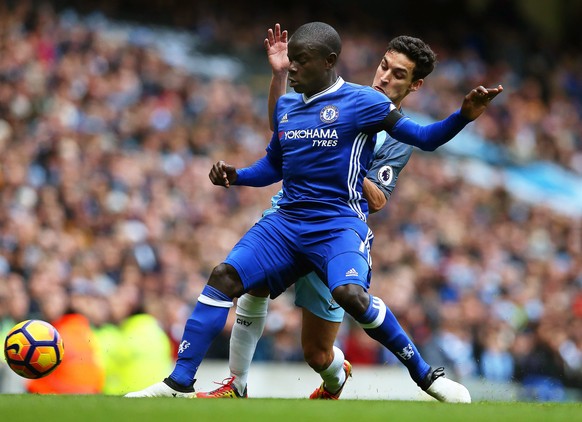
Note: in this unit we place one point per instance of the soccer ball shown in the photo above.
(33, 348)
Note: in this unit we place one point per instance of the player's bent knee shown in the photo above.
(317, 358)
(352, 298)
(259, 292)
(225, 278)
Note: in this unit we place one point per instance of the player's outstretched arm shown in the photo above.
(276, 48)
(430, 137)
(262, 172)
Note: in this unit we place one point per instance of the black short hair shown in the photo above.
(416, 50)
(319, 36)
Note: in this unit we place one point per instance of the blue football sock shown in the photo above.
(381, 324)
(205, 323)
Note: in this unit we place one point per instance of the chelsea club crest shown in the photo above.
(329, 114)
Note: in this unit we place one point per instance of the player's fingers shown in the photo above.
(480, 90)
(277, 31)
(499, 89)
(270, 36)
(475, 93)
(493, 92)
(223, 168)
(212, 173)
(218, 177)
(217, 171)
(484, 95)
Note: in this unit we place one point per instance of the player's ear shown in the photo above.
(331, 60)
(415, 86)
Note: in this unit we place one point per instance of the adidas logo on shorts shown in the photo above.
(352, 273)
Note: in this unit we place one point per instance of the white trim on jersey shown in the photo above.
(355, 196)
(368, 243)
(332, 88)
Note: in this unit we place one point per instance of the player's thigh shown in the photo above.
(339, 249)
(264, 258)
(349, 259)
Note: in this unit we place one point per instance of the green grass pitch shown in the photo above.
(24, 408)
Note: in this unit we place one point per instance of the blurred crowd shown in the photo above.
(106, 210)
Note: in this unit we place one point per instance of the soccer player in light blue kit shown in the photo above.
(402, 70)
(321, 148)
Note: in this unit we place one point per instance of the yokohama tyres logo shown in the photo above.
(309, 134)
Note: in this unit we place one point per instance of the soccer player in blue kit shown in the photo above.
(402, 70)
(321, 148)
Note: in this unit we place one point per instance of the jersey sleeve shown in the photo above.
(390, 157)
(429, 137)
(266, 170)
(261, 173)
(372, 109)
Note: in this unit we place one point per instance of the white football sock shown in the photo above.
(251, 316)
(334, 375)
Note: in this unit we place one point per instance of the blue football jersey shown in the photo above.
(324, 145)
(390, 157)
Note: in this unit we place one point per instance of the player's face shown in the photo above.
(308, 69)
(394, 77)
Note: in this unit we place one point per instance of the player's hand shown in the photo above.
(222, 174)
(276, 48)
(477, 100)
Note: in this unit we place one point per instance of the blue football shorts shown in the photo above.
(278, 250)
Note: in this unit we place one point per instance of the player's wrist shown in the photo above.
(280, 73)
(467, 119)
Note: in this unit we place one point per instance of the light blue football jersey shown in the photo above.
(390, 157)
(325, 144)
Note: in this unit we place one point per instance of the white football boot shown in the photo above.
(166, 388)
(443, 389)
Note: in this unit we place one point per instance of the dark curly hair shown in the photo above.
(416, 50)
